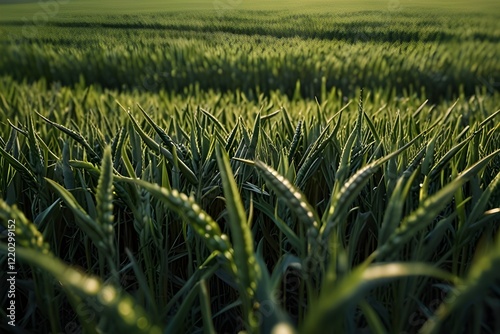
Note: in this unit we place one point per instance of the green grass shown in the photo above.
(12, 9)
(405, 51)
(182, 171)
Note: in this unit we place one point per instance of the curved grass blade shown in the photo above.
(119, 311)
(69, 178)
(232, 136)
(293, 198)
(271, 115)
(76, 136)
(158, 148)
(161, 133)
(394, 210)
(489, 118)
(35, 154)
(116, 147)
(359, 121)
(343, 170)
(482, 274)
(373, 129)
(88, 225)
(20, 168)
(428, 210)
(482, 202)
(291, 237)
(337, 296)
(436, 169)
(287, 121)
(13, 133)
(214, 120)
(177, 323)
(442, 119)
(209, 267)
(252, 148)
(248, 271)
(312, 156)
(429, 156)
(342, 199)
(186, 207)
(273, 318)
(372, 318)
(143, 284)
(295, 142)
(240, 232)
(206, 311)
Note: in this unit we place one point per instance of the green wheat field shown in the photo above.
(236, 166)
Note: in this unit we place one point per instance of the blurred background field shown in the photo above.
(15, 9)
(217, 166)
(437, 54)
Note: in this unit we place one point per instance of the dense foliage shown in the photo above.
(190, 172)
(261, 52)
